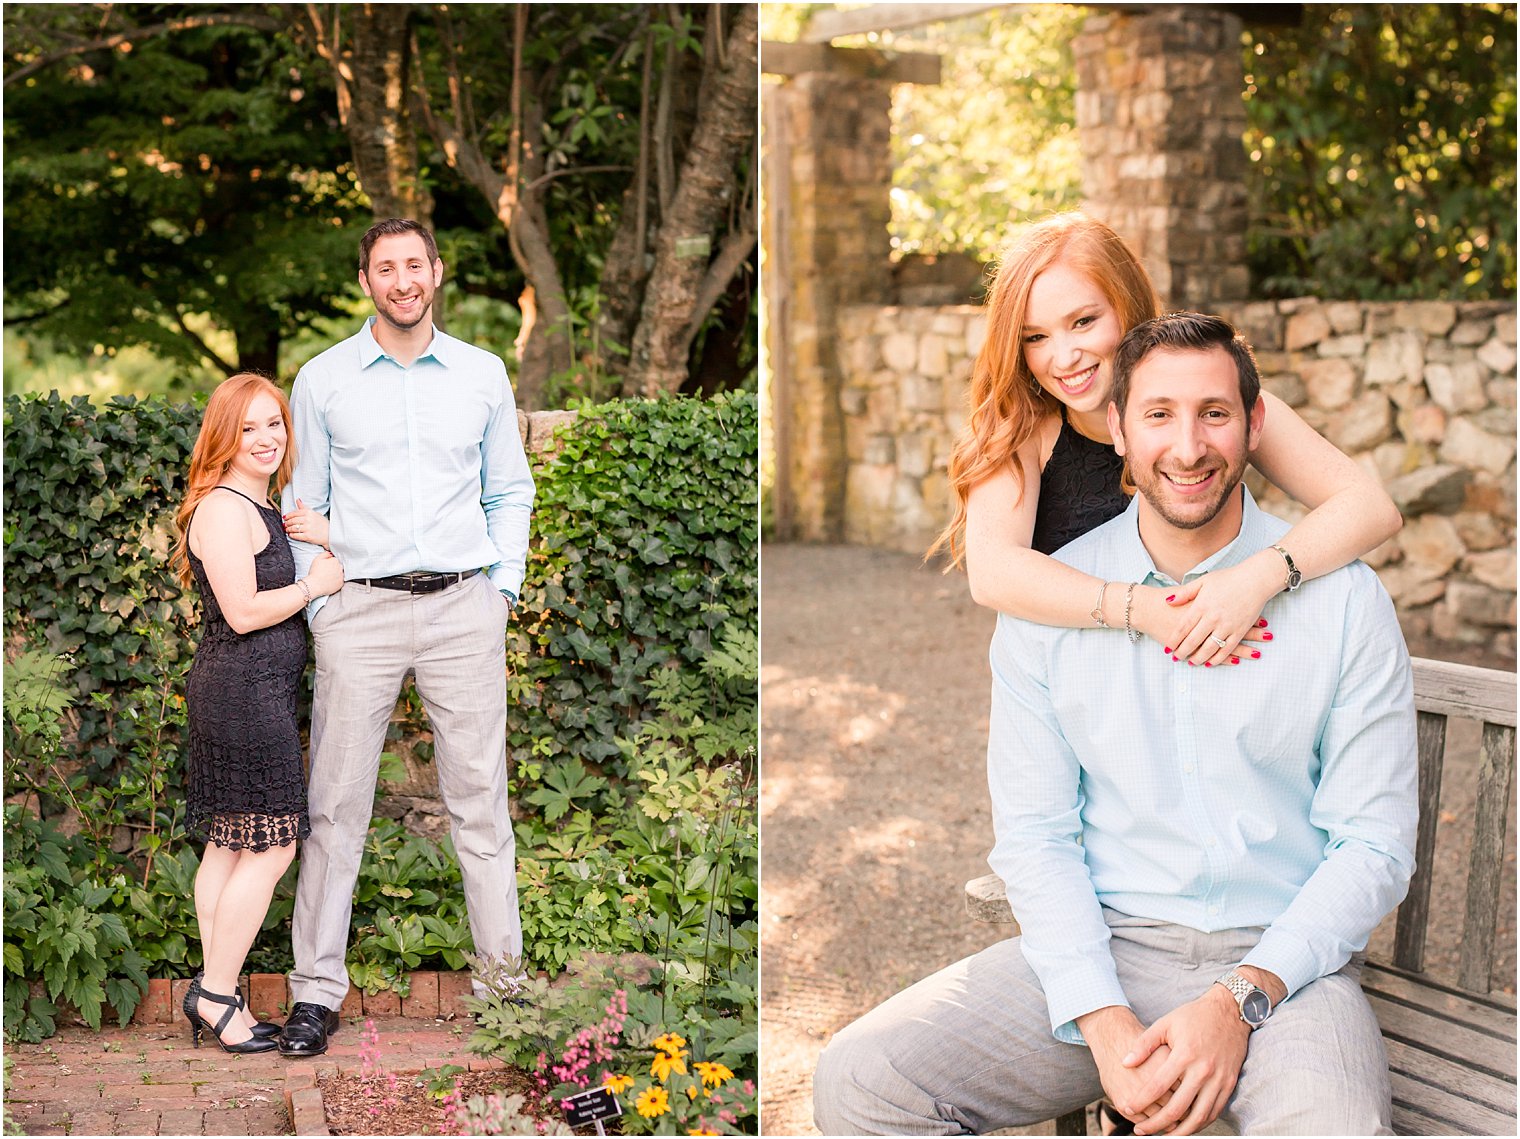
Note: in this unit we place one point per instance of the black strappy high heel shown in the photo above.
(262, 1029)
(234, 1006)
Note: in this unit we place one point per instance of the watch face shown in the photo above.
(1255, 1009)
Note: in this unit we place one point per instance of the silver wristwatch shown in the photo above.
(1255, 1005)
(1295, 578)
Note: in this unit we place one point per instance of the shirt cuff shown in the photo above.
(510, 596)
(1288, 957)
(1075, 988)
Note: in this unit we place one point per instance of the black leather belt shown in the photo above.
(417, 582)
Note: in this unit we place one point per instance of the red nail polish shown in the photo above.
(1261, 623)
(1191, 665)
(1234, 660)
(1174, 658)
(1167, 651)
(1266, 636)
(1255, 655)
(1208, 664)
(1172, 597)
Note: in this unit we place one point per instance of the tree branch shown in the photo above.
(200, 345)
(168, 27)
(33, 317)
(544, 179)
(732, 254)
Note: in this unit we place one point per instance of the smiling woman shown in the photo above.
(1035, 466)
(247, 796)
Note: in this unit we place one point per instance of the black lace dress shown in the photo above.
(246, 788)
(1079, 489)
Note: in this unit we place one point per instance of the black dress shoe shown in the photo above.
(306, 1030)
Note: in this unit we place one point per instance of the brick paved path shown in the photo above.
(149, 1080)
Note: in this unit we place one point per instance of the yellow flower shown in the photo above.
(702, 1131)
(671, 1043)
(691, 1091)
(663, 1065)
(653, 1102)
(713, 1074)
(616, 1084)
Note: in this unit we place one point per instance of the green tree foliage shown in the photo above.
(186, 178)
(995, 143)
(1382, 142)
(180, 190)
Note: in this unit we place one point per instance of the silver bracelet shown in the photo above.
(305, 592)
(1129, 597)
(1097, 613)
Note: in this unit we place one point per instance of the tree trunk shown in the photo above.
(371, 74)
(689, 275)
(258, 346)
(518, 206)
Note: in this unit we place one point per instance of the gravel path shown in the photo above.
(874, 691)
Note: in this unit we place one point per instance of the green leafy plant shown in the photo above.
(57, 930)
(629, 659)
(597, 1028)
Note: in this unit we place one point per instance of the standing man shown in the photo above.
(1194, 855)
(408, 441)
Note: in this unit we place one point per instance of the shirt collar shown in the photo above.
(370, 350)
(1136, 564)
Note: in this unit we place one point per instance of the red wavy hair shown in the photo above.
(220, 437)
(1007, 404)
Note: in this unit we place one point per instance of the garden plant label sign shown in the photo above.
(591, 1106)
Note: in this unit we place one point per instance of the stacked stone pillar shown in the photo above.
(1160, 116)
(827, 183)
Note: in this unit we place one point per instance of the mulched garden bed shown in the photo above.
(368, 1105)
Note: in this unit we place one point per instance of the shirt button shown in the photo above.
(1187, 769)
(1213, 909)
(1211, 842)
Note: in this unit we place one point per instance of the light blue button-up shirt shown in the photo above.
(417, 468)
(1279, 793)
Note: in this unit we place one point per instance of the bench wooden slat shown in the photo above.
(1496, 771)
(1409, 1065)
(1464, 690)
(1419, 1109)
(1442, 1036)
(1495, 1011)
(1409, 932)
(987, 901)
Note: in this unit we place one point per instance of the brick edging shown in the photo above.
(433, 995)
(303, 1099)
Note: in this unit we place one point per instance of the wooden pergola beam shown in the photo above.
(861, 63)
(830, 25)
(826, 26)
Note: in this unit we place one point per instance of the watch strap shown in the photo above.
(1295, 578)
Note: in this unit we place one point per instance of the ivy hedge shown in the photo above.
(645, 538)
(635, 634)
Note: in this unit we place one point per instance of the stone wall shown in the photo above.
(1160, 117)
(827, 174)
(1422, 393)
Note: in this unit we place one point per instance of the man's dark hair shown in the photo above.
(395, 227)
(1185, 332)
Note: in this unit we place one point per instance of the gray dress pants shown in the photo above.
(367, 640)
(969, 1050)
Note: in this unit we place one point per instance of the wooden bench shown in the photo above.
(1451, 1047)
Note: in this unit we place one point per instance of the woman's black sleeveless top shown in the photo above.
(1079, 489)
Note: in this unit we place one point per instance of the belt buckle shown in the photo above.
(423, 582)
